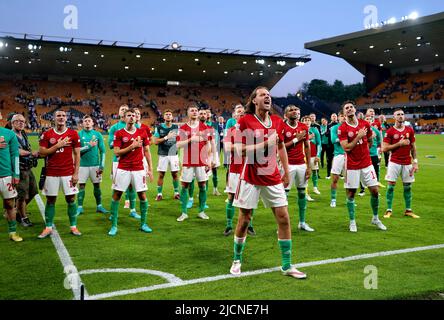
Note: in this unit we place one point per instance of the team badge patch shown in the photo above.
(52, 141)
(125, 139)
(288, 134)
(351, 134)
(396, 136)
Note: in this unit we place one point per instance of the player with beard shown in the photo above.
(259, 138)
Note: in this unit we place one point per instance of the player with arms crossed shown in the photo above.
(61, 146)
(92, 162)
(165, 139)
(356, 136)
(400, 141)
(259, 138)
(297, 143)
(128, 143)
(195, 137)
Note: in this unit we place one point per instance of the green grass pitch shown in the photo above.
(196, 248)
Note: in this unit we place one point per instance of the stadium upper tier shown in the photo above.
(414, 88)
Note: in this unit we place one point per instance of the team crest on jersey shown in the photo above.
(125, 139)
(407, 135)
(52, 141)
(288, 134)
(351, 134)
(396, 136)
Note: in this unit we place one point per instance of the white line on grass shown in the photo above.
(68, 265)
(262, 271)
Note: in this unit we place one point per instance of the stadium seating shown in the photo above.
(407, 88)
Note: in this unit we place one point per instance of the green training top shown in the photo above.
(335, 140)
(112, 131)
(91, 156)
(9, 155)
(324, 138)
(316, 140)
(168, 147)
(376, 143)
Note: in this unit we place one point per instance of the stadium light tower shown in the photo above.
(414, 15)
(175, 45)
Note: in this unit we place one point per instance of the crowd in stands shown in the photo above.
(407, 88)
(38, 99)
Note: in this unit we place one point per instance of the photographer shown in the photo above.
(27, 188)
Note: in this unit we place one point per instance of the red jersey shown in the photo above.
(359, 156)
(132, 160)
(147, 130)
(296, 155)
(61, 162)
(195, 153)
(402, 154)
(260, 167)
(236, 162)
(377, 124)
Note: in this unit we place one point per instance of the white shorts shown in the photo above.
(91, 173)
(367, 176)
(297, 176)
(247, 196)
(123, 179)
(233, 182)
(338, 164)
(313, 165)
(7, 189)
(54, 184)
(395, 170)
(115, 164)
(189, 173)
(168, 161)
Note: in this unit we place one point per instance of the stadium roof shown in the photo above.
(391, 46)
(45, 55)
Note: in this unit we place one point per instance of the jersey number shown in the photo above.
(60, 150)
(10, 187)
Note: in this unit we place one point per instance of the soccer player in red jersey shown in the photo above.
(259, 137)
(195, 137)
(61, 147)
(374, 121)
(128, 145)
(400, 141)
(298, 147)
(355, 136)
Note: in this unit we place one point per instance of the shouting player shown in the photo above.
(356, 136)
(400, 141)
(61, 146)
(259, 138)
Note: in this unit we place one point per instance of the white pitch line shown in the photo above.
(261, 271)
(68, 265)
